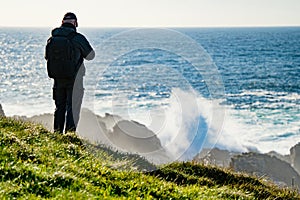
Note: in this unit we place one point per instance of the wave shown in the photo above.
(187, 123)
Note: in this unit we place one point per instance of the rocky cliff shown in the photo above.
(215, 156)
(295, 157)
(115, 132)
(1, 111)
(266, 166)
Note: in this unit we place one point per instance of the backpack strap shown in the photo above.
(70, 37)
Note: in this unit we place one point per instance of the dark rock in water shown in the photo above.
(1, 111)
(263, 165)
(295, 157)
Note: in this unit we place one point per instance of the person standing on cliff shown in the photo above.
(65, 52)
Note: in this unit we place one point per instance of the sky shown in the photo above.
(151, 13)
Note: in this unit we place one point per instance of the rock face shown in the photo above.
(282, 169)
(1, 111)
(295, 157)
(285, 158)
(215, 156)
(45, 119)
(92, 128)
(131, 136)
(264, 165)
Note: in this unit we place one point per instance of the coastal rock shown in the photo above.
(131, 136)
(134, 137)
(45, 119)
(92, 129)
(115, 132)
(109, 120)
(1, 111)
(215, 156)
(90, 126)
(285, 158)
(295, 157)
(263, 165)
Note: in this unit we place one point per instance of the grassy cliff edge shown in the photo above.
(37, 164)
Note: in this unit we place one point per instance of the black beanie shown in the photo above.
(69, 15)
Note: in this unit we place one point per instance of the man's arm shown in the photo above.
(46, 49)
(91, 55)
(86, 49)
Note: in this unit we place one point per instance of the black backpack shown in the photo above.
(60, 53)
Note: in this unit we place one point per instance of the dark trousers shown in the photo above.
(67, 94)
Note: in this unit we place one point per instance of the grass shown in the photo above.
(37, 164)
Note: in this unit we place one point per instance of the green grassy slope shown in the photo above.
(35, 163)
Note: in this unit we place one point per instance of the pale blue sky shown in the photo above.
(152, 13)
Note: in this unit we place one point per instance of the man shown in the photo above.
(68, 91)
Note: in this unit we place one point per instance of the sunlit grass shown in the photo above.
(35, 163)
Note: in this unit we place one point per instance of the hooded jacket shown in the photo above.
(83, 49)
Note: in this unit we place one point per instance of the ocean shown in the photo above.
(232, 88)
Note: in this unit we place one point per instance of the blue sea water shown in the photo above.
(259, 70)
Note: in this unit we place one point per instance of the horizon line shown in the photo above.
(209, 26)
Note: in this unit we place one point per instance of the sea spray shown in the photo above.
(181, 121)
(182, 124)
(185, 125)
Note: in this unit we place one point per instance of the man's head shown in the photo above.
(70, 18)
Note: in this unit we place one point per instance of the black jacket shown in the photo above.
(83, 49)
